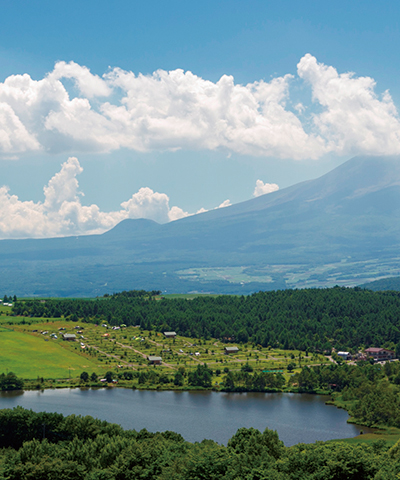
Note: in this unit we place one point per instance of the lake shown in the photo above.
(197, 415)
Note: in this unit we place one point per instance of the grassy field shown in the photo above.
(30, 356)
(388, 434)
(6, 320)
(229, 274)
(187, 296)
(345, 272)
(31, 353)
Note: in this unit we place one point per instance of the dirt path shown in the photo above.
(116, 357)
(143, 354)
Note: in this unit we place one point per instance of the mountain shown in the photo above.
(391, 283)
(342, 228)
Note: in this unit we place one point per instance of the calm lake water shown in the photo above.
(197, 415)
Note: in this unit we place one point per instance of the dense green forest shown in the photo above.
(41, 446)
(310, 319)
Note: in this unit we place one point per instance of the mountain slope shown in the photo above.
(353, 209)
(349, 217)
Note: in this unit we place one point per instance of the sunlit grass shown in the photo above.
(128, 348)
(30, 356)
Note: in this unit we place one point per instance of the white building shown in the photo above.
(344, 355)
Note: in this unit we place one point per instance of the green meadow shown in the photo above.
(28, 349)
(30, 356)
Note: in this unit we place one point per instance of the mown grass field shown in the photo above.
(391, 439)
(30, 356)
(186, 296)
(388, 434)
(6, 320)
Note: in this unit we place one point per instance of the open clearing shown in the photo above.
(29, 350)
(30, 356)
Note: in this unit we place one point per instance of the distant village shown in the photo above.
(375, 353)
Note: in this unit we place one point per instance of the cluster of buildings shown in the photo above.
(152, 359)
(378, 354)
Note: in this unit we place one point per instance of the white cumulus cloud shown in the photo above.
(263, 188)
(354, 119)
(170, 110)
(62, 213)
(148, 204)
(225, 203)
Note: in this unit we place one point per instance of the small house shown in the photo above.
(71, 337)
(380, 354)
(344, 355)
(153, 360)
(169, 334)
(229, 350)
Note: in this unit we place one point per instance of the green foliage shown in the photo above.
(10, 381)
(371, 390)
(291, 366)
(252, 442)
(247, 367)
(84, 448)
(178, 379)
(335, 461)
(201, 377)
(127, 375)
(258, 382)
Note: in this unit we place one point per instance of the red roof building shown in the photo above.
(380, 354)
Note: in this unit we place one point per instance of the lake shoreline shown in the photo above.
(196, 414)
(376, 429)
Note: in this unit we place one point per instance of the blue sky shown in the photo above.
(170, 108)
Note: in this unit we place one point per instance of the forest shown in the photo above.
(45, 446)
(310, 319)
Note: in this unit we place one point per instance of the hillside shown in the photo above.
(383, 284)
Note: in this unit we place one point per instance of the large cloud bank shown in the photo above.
(72, 110)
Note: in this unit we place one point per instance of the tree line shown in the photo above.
(309, 319)
(370, 392)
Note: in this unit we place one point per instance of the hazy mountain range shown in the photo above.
(342, 228)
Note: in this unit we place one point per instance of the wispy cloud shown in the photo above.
(180, 110)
